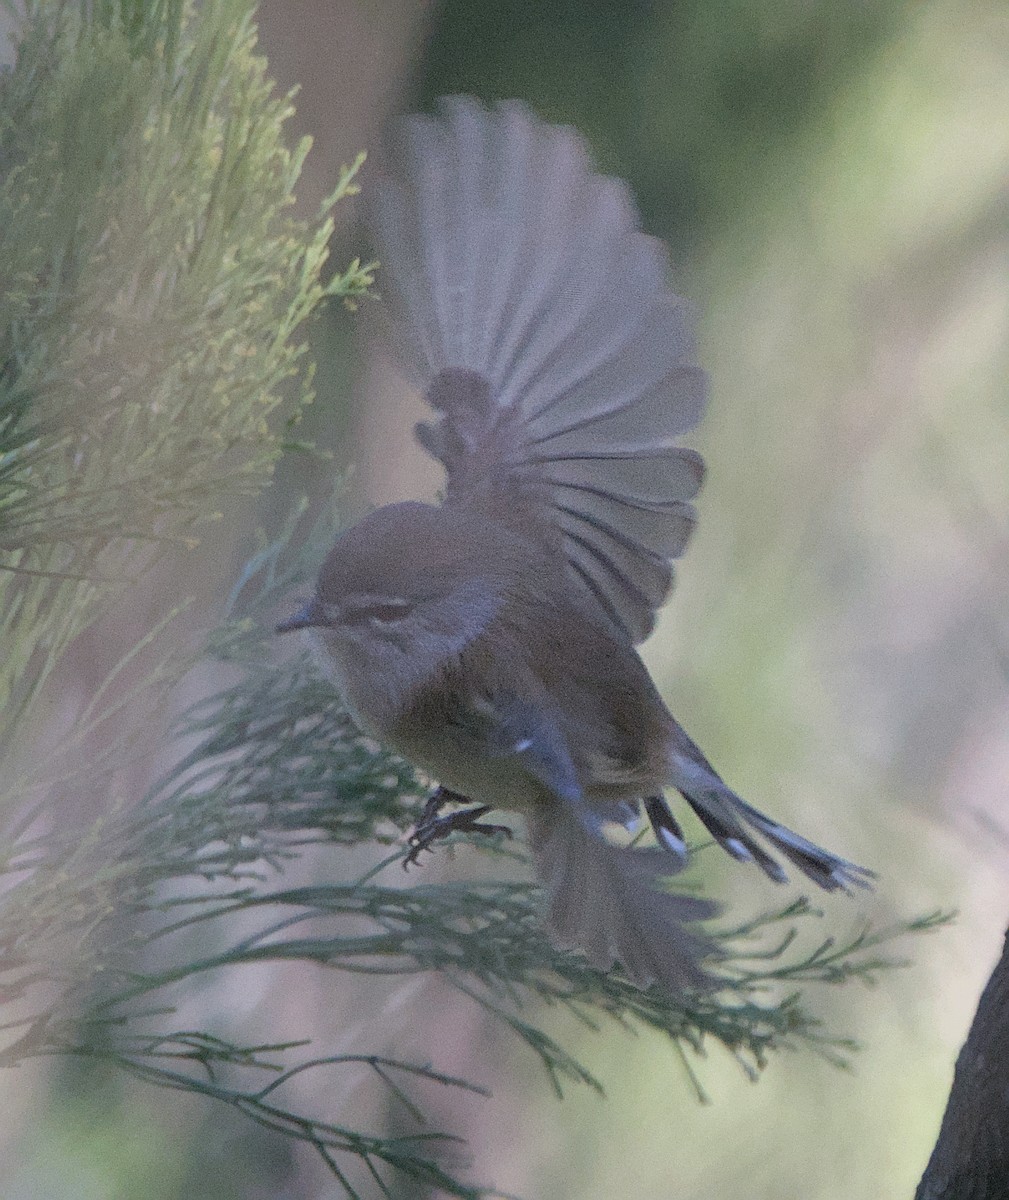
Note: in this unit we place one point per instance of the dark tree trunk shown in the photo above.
(971, 1157)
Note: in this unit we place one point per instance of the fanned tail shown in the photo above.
(609, 902)
(730, 820)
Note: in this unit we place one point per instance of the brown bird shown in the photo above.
(491, 639)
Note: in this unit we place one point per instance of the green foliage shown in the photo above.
(155, 289)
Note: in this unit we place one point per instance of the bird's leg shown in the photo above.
(435, 803)
(432, 828)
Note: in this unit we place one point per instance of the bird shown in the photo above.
(491, 638)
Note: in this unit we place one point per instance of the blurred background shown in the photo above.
(833, 182)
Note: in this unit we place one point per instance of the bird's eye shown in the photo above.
(377, 611)
(388, 611)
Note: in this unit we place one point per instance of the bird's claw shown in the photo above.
(431, 828)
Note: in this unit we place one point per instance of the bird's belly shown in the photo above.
(457, 762)
(453, 760)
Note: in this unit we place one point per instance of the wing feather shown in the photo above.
(538, 319)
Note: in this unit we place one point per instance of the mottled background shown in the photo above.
(833, 181)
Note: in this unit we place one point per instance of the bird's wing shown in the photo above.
(537, 317)
(507, 727)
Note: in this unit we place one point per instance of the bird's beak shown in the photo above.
(306, 616)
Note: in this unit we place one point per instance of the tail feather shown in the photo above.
(609, 902)
(825, 869)
(666, 828)
(726, 818)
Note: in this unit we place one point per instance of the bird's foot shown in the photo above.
(431, 828)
